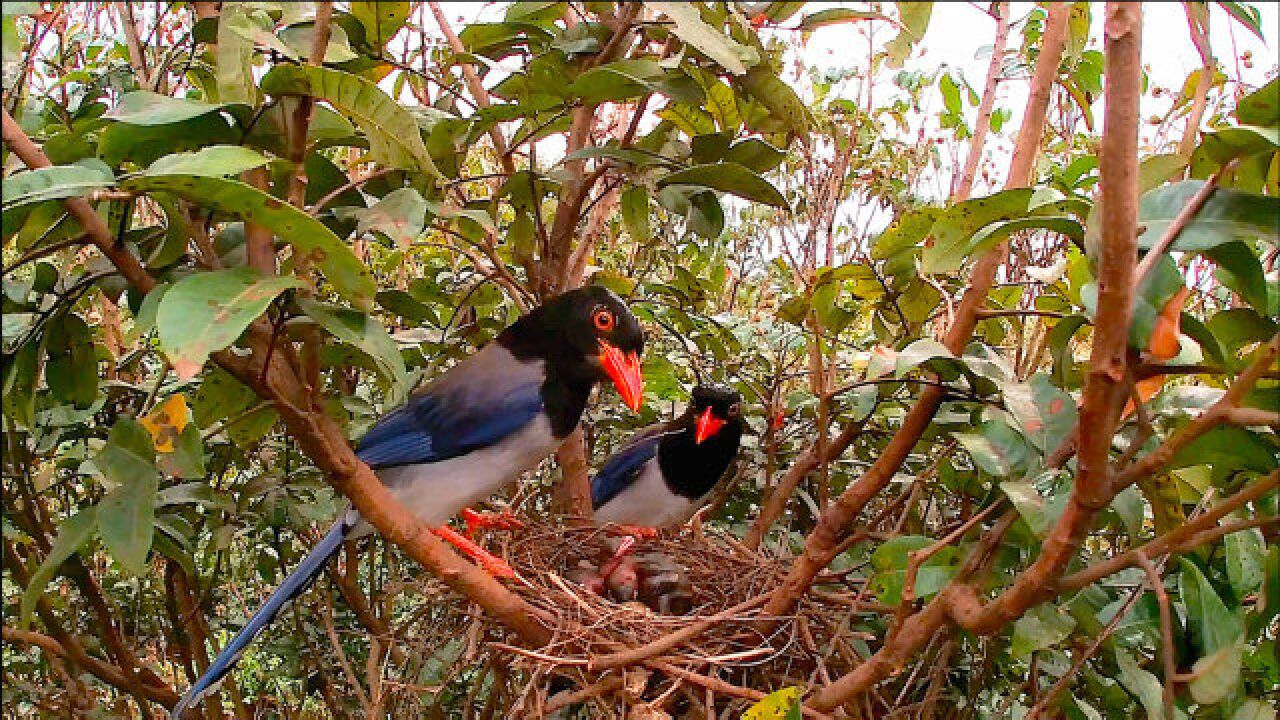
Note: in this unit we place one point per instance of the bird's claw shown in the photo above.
(638, 532)
(504, 520)
(492, 564)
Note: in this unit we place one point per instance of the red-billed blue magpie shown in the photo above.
(478, 427)
(657, 479)
(666, 470)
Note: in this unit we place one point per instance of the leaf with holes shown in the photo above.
(204, 313)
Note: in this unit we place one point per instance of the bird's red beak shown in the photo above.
(708, 425)
(625, 372)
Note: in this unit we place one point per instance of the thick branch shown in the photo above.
(837, 520)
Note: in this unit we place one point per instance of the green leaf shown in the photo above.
(632, 78)
(53, 183)
(938, 258)
(216, 161)
(778, 97)
(1042, 627)
(1212, 625)
(836, 16)
(296, 41)
(394, 137)
(233, 56)
(362, 331)
(1216, 675)
(381, 20)
(220, 396)
(74, 532)
(914, 20)
(126, 516)
(906, 231)
(1246, 553)
(1040, 513)
(1057, 410)
(401, 215)
(1156, 170)
(952, 236)
(1248, 16)
(1142, 684)
(204, 313)
(1227, 215)
(918, 353)
(1156, 289)
(308, 236)
(781, 704)
(755, 154)
(1260, 107)
(731, 178)
(890, 561)
(1239, 270)
(634, 206)
(710, 41)
(72, 370)
(187, 458)
(996, 448)
(142, 107)
(1252, 709)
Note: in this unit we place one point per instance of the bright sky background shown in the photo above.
(960, 36)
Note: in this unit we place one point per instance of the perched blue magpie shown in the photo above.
(478, 427)
(668, 469)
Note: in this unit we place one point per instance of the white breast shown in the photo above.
(647, 502)
(435, 492)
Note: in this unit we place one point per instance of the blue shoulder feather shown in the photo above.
(449, 421)
(621, 468)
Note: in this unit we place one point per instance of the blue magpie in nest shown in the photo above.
(475, 429)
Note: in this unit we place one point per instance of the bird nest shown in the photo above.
(619, 655)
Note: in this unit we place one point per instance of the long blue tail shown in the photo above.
(293, 586)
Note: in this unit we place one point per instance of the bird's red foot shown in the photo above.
(639, 532)
(504, 520)
(493, 564)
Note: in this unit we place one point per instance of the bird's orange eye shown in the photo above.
(603, 319)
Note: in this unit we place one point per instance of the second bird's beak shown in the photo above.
(707, 426)
(625, 372)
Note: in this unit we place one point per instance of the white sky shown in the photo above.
(960, 35)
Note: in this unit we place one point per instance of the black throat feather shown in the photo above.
(692, 470)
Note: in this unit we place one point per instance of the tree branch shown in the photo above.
(837, 519)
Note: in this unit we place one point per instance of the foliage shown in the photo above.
(373, 217)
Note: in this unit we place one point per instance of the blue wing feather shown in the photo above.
(449, 421)
(621, 468)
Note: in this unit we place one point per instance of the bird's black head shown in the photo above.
(701, 444)
(715, 408)
(588, 334)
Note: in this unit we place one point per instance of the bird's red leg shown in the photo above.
(638, 532)
(495, 565)
(505, 520)
(624, 548)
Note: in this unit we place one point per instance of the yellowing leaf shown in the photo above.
(781, 705)
(1146, 389)
(1164, 336)
(166, 422)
